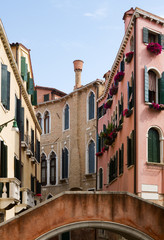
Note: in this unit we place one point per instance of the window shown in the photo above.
(46, 122)
(39, 117)
(5, 87)
(65, 236)
(17, 168)
(66, 117)
(91, 157)
(121, 159)
(3, 159)
(64, 163)
(53, 168)
(150, 36)
(153, 146)
(120, 110)
(24, 68)
(113, 168)
(130, 87)
(130, 149)
(91, 106)
(100, 178)
(101, 111)
(154, 86)
(43, 170)
(32, 183)
(46, 97)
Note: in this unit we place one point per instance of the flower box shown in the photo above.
(155, 48)
(127, 112)
(128, 57)
(113, 90)
(99, 154)
(108, 103)
(157, 106)
(119, 76)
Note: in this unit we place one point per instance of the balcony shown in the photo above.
(29, 151)
(27, 200)
(25, 141)
(9, 192)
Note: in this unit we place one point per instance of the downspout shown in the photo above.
(96, 133)
(135, 167)
(35, 157)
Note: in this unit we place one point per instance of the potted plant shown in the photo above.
(119, 127)
(113, 90)
(119, 76)
(155, 48)
(127, 112)
(99, 154)
(128, 57)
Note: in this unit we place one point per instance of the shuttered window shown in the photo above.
(64, 163)
(17, 168)
(38, 187)
(22, 123)
(46, 97)
(32, 141)
(113, 167)
(5, 87)
(34, 98)
(91, 106)
(121, 159)
(3, 159)
(46, 122)
(91, 157)
(53, 168)
(150, 36)
(122, 65)
(130, 150)
(32, 183)
(153, 146)
(30, 88)
(43, 170)
(66, 117)
(120, 110)
(100, 178)
(38, 150)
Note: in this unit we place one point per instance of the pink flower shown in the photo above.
(125, 112)
(155, 48)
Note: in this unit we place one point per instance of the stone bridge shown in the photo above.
(119, 212)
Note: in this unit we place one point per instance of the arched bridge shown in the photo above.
(120, 212)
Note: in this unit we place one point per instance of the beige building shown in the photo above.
(19, 149)
(68, 140)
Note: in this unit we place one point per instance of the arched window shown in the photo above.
(53, 168)
(152, 87)
(43, 169)
(46, 122)
(66, 117)
(39, 117)
(64, 163)
(153, 146)
(91, 157)
(91, 106)
(100, 178)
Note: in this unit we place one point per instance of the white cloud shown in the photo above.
(101, 12)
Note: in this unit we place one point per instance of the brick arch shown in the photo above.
(119, 212)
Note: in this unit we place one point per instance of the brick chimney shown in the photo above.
(127, 16)
(78, 66)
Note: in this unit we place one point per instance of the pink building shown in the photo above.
(130, 117)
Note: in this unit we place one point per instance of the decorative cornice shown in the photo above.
(18, 77)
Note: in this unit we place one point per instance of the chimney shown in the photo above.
(78, 66)
(127, 17)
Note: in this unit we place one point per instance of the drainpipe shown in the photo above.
(20, 157)
(96, 134)
(135, 167)
(35, 156)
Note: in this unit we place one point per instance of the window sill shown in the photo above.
(90, 175)
(4, 109)
(155, 164)
(131, 166)
(64, 180)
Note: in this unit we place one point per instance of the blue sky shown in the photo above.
(60, 31)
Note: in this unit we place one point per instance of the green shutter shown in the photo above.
(34, 98)
(23, 66)
(132, 148)
(128, 151)
(8, 90)
(122, 158)
(128, 93)
(161, 89)
(161, 40)
(25, 75)
(30, 86)
(146, 85)
(153, 146)
(116, 162)
(22, 123)
(145, 35)
(122, 66)
(4, 82)
(18, 112)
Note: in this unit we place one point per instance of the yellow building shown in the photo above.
(19, 149)
(68, 141)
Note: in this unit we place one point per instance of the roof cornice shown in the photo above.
(18, 77)
(137, 13)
